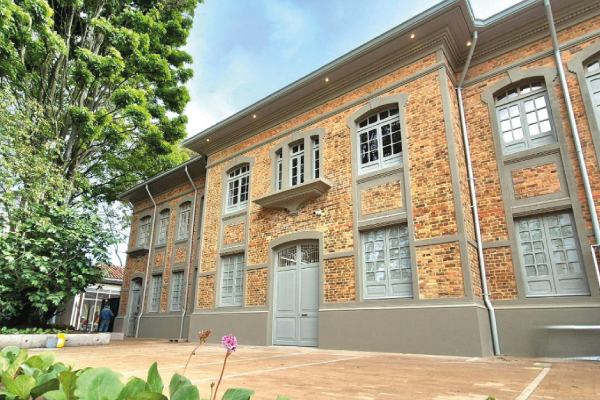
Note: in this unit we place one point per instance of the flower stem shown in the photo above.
(189, 358)
(221, 377)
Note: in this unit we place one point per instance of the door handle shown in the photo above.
(304, 315)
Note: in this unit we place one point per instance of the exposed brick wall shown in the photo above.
(181, 254)
(256, 287)
(475, 274)
(233, 233)
(500, 273)
(339, 280)
(381, 198)
(159, 259)
(535, 181)
(440, 271)
(123, 303)
(206, 291)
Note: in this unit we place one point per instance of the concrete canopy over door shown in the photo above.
(296, 295)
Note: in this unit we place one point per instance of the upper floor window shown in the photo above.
(524, 117)
(298, 160)
(279, 169)
(238, 183)
(185, 211)
(592, 72)
(144, 231)
(316, 149)
(163, 227)
(297, 164)
(380, 140)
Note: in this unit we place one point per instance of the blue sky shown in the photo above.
(244, 50)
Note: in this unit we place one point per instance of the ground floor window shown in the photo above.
(177, 291)
(156, 289)
(550, 256)
(232, 280)
(386, 263)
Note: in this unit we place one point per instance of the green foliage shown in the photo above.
(36, 331)
(58, 382)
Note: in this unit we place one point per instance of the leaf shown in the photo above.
(4, 364)
(97, 382)
(283, 398)
(7, 395)
(10, 352)
(187, 392)
(21, 386)
(149, 396)
(133, 387)
(58, 368)
(68, 381)
(48, 386)
(155, 382)
(48, 358)
(16, 364)
(55, 395)
(35, 362)
(238, 394)
(177, 382)
(27, 370)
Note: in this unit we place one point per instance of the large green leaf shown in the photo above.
(238, 394)
(48, 358)
(4, 395)
(68, 380)
(55, 395)
(188, 392)
(48, 386)
(58, 368)
(27, 370)
(133, 387)
(35, 362)
(148, 396)
(95, 383)
(155, 382)
(10, 352)
(177, 382)
(16, 363)
(21, 386)
(4, 364)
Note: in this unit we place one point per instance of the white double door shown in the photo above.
(297, 296)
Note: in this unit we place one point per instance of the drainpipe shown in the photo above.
(187, 272)
(137, 326)
(563, 83)
(484, 286)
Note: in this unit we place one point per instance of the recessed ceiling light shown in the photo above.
(412, 36)
(208, 140)
(326, 79)
(254, 116)
(469, 43)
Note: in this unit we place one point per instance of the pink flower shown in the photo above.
(229, 342)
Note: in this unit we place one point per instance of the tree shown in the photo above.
(107, 77)
(51, 256)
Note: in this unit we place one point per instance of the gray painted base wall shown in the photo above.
(163, 327)
(526, 332)
(119, 325)
(248, 328)
(460, 331)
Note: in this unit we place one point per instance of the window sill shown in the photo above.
(293, 198)
(138, 251)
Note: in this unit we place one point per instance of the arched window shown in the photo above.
(184, 220)
(379, 140)
(592, 75)
(238, 183)
(524, 116)
(144, 237)
(163, 227)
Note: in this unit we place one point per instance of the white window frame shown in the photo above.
(279, 171)
(144, 237)
(163, 226)
(156, 294)
(592, 76)
(232, 280)
(374, 124)
(517, 127)
(316, 151)
(177, 290)
(297, 156)
(238, 179)
(185, 213)
(395, 252)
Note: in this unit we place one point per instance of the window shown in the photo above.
(177, 291)
(279, 170)
(524, 117)
(232, 280)
(550, 256)
(184, 220)
(592, 72)
(163, 227)
(297, 164)
(386, 263)
(156, 289)
(380, 141)
(145, 231)
(316, 158)
(237, 189)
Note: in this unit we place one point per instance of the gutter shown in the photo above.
(482, 272)
(187, 272)
(137, 326)
(563, 83)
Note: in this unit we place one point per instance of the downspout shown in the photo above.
(463, 124)
(563, 83)
(187, 272)
(137, 326)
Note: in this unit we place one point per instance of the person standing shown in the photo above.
(105, 316)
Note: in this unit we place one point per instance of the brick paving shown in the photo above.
(306, 373)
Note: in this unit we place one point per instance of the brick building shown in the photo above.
(338, 211)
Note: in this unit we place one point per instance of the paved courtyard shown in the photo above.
(304, 373)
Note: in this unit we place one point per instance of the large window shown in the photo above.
(592, 72)
(177, 291)
(297, 164)
(386, 263)
(163, 227)
(524, 117)
(380, 140)
(144, 237)
(550, 256)
(156, 292)
(185, 211)
(232, 280)
(238, 183)
(298, 160)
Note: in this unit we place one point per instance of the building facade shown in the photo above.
(338, 211)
